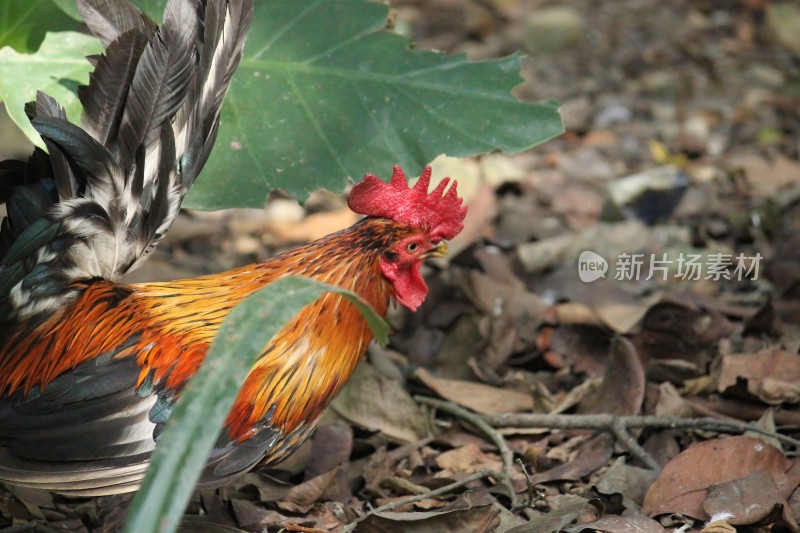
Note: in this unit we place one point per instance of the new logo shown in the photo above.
(591, 266)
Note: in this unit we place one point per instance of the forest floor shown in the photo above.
(646, 264)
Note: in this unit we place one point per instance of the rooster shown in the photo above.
(90, 367)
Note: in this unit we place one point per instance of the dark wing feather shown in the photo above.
(112, 187)
(88, 433)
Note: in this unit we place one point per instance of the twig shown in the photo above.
(483, 474)
(632, 445)
(480, 424)
(528, 482)
(404, 485)
(401, 452)
(609, 422)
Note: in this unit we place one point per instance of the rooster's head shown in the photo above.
(427, 220)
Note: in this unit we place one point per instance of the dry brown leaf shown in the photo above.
(671, 403)
(772, 377)
(749, 500)
(568, 313)
(767, 177)
(583, 346)
(557, 519)
(480, 519)
(621, 390)
(681, 329)
(633, 523)
(479, 397)
(783, 268)
(331, 446)
(620, 316)
(269, 489)
(579, 205)
(374, 402)
(469, 337)
(593, 454)
(630, 482)
(466, 460)
(302, 497)
(718, 526)
(251, 516)
(683, 485)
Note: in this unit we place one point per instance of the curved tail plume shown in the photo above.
(98, 202)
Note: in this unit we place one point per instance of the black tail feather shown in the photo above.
(109, 19)
(104, 98)
(112, 187)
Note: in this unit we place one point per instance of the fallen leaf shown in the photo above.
(269, 489)
(584, 346)
(621, 390)
(671, 403)
(748, 500)
(632, 523)
(479, 397)
(480, 519)
(681, 329)
(466, 460)
(251, 516)
(199, 524)
(300, 498)
(630, 482)
(684, 484)
(592, 454)
(331, 447)
(557, 519)
(766, 177)
(772, 377)
(468, 337)
(718, 526)
(389, 408)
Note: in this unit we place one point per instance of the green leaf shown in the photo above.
(56, 69)
(154, 8)
(23, 23)
(70, 7)
(323, 94)
(191, 431)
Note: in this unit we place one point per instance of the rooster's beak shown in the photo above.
(439, 251)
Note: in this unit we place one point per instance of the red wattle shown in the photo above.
(409, 286)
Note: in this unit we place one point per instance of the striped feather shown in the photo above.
(112, 187)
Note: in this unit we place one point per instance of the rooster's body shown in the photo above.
(90, 368)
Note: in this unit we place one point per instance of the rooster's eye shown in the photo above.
(412, 247)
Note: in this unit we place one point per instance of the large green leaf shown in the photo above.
(324, 94)
(191, 431)
(23, 23)
(56, 69)
(154, 8)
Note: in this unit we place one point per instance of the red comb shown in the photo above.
(440, 211)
